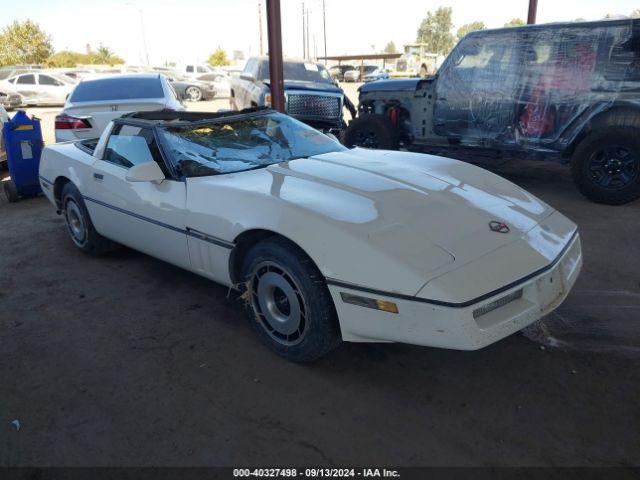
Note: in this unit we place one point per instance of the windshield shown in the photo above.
(242, 144)
(301, 72)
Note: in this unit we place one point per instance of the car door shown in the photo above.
(146, 216)
(52, 91)
(27, 87)
(476, 88)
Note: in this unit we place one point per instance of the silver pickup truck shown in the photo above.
(311, 94)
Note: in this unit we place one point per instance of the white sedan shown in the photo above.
(42, 88)
(95, 102)
(326, 244)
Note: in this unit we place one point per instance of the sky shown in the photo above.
(187, 31)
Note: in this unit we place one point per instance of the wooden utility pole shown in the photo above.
(274, 32)
(533, 10)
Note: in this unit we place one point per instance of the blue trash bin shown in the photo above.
(23, 144)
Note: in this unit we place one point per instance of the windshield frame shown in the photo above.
(173, 164)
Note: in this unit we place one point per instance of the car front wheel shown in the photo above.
(606, 166)
(291, 308)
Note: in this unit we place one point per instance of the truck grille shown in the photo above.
(316, 106)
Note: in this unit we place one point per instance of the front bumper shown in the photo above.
(10, 101)
(421, 323)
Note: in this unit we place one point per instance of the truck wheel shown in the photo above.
(372, 131)
(291, 309)
(79, 224)
(606, 166)
(10, 191)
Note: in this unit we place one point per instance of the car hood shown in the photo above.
(423, 197)
(7, 88)
(394, 85)
(386, 220)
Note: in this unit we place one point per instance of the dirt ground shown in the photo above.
(128, 361)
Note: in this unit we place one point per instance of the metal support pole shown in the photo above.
(533, 10)
(260, 26)
(324, 26)
(304, 32)
(274, 32)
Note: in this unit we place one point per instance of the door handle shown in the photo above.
(98, 177)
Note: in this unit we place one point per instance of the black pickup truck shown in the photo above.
(311, 94)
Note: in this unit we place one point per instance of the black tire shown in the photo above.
(79, 224)
(606, 165)
(372, 131)
(10, 191)
(193, 93)
(290, 307)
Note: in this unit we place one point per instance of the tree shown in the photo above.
(435, 31)
(103, 54)
(515, 22)
(390, 48)
(23, 43)
(66, 59)
(468, 28)
(219, 57)
(635, 13)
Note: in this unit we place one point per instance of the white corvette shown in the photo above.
(326, 243)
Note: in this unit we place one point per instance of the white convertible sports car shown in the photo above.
(326, 243)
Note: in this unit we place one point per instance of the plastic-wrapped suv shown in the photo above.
(564, 92)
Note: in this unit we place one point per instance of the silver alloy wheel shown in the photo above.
(194, 94)
(75, 222)
(278, 303)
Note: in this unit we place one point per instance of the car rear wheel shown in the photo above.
(291, 308)
(79, 225)
(606, 166)
(10, 191)
(372, 131)
(194, 94)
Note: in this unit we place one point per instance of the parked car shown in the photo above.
(94, 103)
(338, 71)
(9, 98)
(310, 93)
(190, 89)
(221, 83)
(358, 74)
(194, 70)
(41, 88)
(562, 92)
(264, 204)
(378, 74)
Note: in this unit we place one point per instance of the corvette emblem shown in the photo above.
(499, 227)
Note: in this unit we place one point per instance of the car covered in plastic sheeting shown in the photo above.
(566, 92)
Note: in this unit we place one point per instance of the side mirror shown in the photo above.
(145, 172)
(248, 77)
